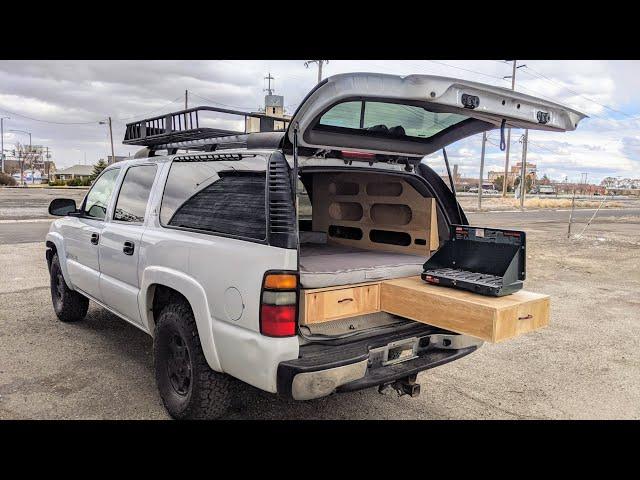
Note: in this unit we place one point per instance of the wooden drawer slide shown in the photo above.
(493, 319)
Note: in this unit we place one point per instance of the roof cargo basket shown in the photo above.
(186, 126)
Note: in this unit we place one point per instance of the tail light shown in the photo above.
(279, 304)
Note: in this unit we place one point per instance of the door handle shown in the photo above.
(128, 248)
(95, 238)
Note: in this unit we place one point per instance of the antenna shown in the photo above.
(269, 78)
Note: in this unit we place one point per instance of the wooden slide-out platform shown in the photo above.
(492, 319)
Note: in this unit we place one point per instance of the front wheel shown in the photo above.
(189, 388)
(69, 305)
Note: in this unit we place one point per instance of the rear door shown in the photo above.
(414, 115)
(120, 242)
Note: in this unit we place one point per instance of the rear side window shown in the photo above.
(204, 196)
(134, 194)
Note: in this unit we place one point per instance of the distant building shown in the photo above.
(515, 172)
(273, 107)
(623, 191)
(77, 171)
(37, 159)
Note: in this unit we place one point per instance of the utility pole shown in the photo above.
(108, 122)
(484, 142)
(319, 62)
(47, 167)
(2, 140)
(523, 170)
(113, 156)
(186, 99)
(506, 160)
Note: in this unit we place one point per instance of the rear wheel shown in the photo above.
(189, 388)
(70, 306)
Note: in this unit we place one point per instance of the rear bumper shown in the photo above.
(322, 369)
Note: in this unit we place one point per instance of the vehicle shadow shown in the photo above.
(131, 351)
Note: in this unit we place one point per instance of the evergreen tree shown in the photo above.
(98, 168)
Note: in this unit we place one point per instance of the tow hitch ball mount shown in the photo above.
(403, 386)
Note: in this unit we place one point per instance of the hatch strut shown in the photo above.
(453, 185)
(295, 188)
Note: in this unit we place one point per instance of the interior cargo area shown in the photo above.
(364, 226)
(364, 240)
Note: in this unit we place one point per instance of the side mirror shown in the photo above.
(61, 207)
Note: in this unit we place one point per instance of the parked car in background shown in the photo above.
(546, 190)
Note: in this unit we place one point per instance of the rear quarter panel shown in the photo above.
(217, 275)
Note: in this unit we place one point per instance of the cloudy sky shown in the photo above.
(61, 103)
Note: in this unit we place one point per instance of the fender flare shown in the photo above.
(58, 241)
(195, 295)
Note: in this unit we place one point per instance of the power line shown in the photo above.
(540, 75)
(90, 122)
(219, 103)
(150, 111)
(46, 121)
(521, 87)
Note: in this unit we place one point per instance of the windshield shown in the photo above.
(392, 119)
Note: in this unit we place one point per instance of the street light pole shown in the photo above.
(2, 140)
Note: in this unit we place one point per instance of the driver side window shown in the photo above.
(95, 205)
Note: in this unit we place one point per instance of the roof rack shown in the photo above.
(183, 128)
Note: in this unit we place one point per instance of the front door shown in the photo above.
(120, 243)
(82, 235)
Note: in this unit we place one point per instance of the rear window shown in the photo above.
(134, 194)
(211, 197)
(393, 119)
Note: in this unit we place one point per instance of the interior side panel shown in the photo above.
(373, 211)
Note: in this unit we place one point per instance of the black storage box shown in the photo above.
(487, 261)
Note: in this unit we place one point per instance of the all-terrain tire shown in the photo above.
(69, 305)
(177, 354)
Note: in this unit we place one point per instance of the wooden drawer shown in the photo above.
(493, 319)
(324, 304)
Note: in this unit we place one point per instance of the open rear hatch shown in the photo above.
(376, 117)
(414, 115)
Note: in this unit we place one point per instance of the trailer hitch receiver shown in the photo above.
(403, 386)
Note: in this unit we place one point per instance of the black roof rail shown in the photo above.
(183, 129)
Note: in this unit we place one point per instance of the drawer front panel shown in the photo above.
(341, 303)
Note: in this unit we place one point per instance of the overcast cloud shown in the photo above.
(606, 144)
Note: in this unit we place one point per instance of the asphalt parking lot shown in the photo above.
(585, 365)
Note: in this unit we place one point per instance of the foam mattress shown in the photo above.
(333, 265)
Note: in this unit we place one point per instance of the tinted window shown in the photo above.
(199, 196)
(97, 200)
(345, 115)
(392, 119)
(134, 194)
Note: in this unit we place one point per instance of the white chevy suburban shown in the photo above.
(264, 256)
